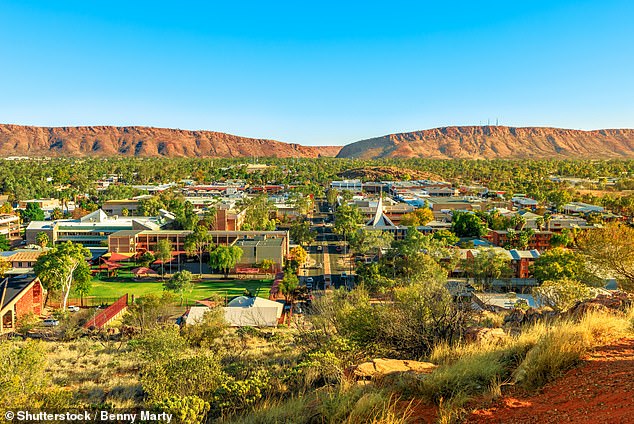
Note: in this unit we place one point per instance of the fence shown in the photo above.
(108, 314)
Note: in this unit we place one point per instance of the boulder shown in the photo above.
(485, 335)
(381, 367)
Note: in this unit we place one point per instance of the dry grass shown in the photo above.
(97, 374)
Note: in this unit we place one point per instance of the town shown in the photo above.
(249, 246)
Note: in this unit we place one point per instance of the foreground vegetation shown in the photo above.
(298, 374)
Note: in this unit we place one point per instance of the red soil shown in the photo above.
(601, 390)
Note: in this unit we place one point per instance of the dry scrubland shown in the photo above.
(297, 374)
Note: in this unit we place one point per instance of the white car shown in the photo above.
(309, 280)
(50, 322)
(73, 308)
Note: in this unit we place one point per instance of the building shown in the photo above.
(258, 248)
(521, 261)
(563, 222)
(22, 261)
(90, 230)
(257, 245)
(350, 185)
(10, 228)
(19, 296)
(44, 204)
(116, 207)
(242, 311)
(228, 218)
(540, 240)
(522, 202)
(582, 208)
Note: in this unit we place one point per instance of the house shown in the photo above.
(582, 208)
(522, 202)
(242, 311)
(22, 261)
(19, 296)
(10, 228)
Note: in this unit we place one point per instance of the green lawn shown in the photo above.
(117, 287)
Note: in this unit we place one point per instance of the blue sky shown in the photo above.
(317, 72)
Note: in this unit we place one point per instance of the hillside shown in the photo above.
(490, 142)
(18, 140)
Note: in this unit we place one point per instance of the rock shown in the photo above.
(380, 367)
(485, 335)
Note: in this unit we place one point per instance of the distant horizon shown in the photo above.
(315, 145)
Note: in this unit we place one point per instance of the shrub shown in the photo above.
(185, 409)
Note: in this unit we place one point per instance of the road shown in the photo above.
(326, 255)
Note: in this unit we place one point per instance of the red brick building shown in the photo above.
(19, 296)
(540, 240)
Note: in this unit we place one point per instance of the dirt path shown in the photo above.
(599, 391)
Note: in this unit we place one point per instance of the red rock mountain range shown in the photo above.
(490, 142)
(469, 142)
(18, 140)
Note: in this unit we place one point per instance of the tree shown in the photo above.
(146, 259)
(562, 294)
(299, 255)
(348, 219)
(446, 236)
(267, 265)
(4, 266)
(42, 240)
(197, 243)
(125, 212)
(301, 233)
(331, 196)
(163, 253)
(56, 214)
(33, 212)
(365, 241)
(225, 258)
(611, 249)
(209, 217)
(288, 286)
(559, 263)
(467, 224)
(258, 215)
(563, 239)
(301, 203)
(4, 243)
(65, 268)
(488, 265)
(149, 311)
(179, 283)
(421, 216)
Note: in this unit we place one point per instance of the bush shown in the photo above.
(208, 330)
(185, 409)
(199, 375)
(159, 344)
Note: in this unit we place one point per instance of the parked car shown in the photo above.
(320, 248)
(309, 280)
(309, 286)
(50, 322)
(73, 308)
